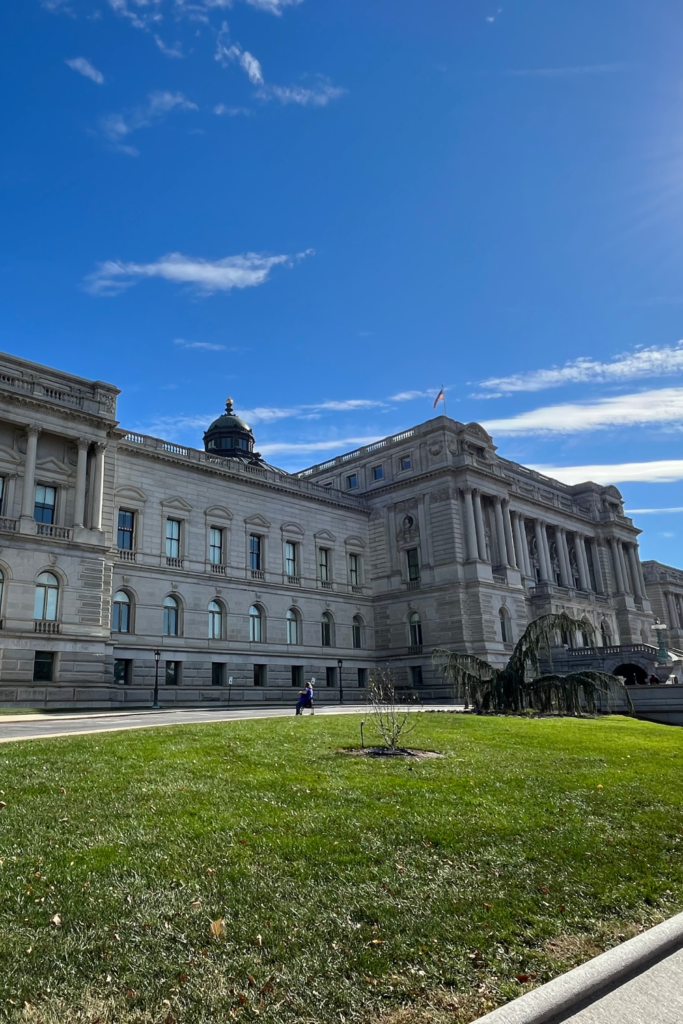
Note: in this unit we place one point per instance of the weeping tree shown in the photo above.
(522, 684)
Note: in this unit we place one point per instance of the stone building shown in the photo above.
(248, 580)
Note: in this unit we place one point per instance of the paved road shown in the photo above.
(31, 727)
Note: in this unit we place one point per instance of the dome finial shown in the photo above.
(228, 406)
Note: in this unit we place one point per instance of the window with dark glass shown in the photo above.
(216, 546)
(46, 500)
(324, 564)
(172, 673)
(255, 624)
(292, 627)
(173, 538)
(352, 481)
(123, 671)
(255, 552)
(378, 472)
(415, 630)
(413, 564)
(215, 621)
(362, 678)
(291, 560)
(46, 596)
(259, 675)
(416, 675)
(124, 536)
(326, 624)
(357, 632)
(43, 666)
(504, 627)
(217, 673)
(406, 462)
(120, 618)
(354, 569)
(331, 675)
(298, 676)
(171, 616)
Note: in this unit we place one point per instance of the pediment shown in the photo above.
(257, 520)
(325, 535)
(292, 528)
(9, 457)
(218, 512)
(52, 469)
(177, 503)
(130, 494)
(354, 542)
(478, 431)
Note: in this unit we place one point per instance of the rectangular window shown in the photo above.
(354, 569)
(216, 546)
(2, 495)
(46, 500)
(173, 538)
(124, 536)
(406, 462)
(260, 675)
(416, 675)
(331, 675)
(43, 666)
(123, 671)
(217, 673)
(413, 564)
(291, 560)
(352, 481)
(362, 678)
(378, 472)
(324, 564)
(172, 673)
(255, 552)
(298, 676)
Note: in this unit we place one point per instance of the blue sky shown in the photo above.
(328, 208)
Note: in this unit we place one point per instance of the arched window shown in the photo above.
(292, 627)
(47, 592)
(357, 632)
(171, 616)
(2, 575)
(415, 630)
(120, 619)
(326, 629)
(255, 624)
(215, 621)
(505, 632)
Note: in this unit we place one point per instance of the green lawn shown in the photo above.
(351, 889)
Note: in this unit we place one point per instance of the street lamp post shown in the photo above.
(340, 665)
(660, 628)
(157, 655)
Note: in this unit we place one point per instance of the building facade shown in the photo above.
(248, 580)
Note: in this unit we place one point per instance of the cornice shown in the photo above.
(42, 407)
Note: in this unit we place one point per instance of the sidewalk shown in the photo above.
(638, 982)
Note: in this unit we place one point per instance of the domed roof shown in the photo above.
(229, 421)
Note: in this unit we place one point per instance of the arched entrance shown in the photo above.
(634, 675)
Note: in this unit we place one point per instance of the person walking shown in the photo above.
(302, 702)
(309, 696)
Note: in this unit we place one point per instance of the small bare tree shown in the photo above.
(391, 719)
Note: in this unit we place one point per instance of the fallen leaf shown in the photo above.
(489, 906)
(599, 786)
(523, 978)
(218, 928)
(62, 790)
(545, 889)
(2, 804)
(210, 871)
(56, 921)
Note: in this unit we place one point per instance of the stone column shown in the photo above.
(470, 528)
(614, 547)
(622, 558)
(81, 467)
(479, 523)
(28, 497)
(98, 487)
(639, 566)
(517, 527)
(525, 548)
(582, 562)
(500, 531)
(635, 576)
(509, 543)
(563, 552)
(595, 551)
(670, 604)
(546, 552)
(539, 529)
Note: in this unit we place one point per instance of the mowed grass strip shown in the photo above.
(339, 888)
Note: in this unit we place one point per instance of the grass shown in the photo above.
(350, 889)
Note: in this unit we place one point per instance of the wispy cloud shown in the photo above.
(169, 51)
(224, 111)
(117, 127)
(85, 68)
(572, 71)
(664, 406)
(232, 53)
(294, 448)
(146, 14)
(664, 361)
(204, 276)
(409, 396)
(663, 471)
(205, 346)
(651, 512)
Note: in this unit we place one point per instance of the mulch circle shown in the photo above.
(418, 755)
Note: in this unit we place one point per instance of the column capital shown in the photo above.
(466, 490)
(498, 499)
(83, 443)
(32, 430)
(100, 446)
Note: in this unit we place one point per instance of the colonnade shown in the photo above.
(80, 501)
(674, 604)
(513, 548)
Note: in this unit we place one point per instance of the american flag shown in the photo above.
(439, 398)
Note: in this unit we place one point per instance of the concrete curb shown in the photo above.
(559, 999)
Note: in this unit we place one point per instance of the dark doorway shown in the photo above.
(633, 674)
